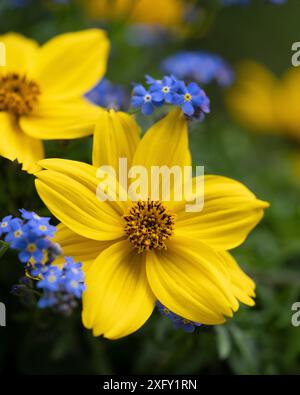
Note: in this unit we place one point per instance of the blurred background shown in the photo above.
(252, 135)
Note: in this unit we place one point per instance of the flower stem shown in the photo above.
(133, 111)
(3, 248)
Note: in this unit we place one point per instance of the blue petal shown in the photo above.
(169, 98)
(150, 80)
(147, 108)
(38, 256)
(137, 101)
(198, 100)
(189, 328)
(181, 87)
(158, 103)
(177, 100)
(188, 109)
(158, 96)
(194, 88)
(139, 90)
(24, 256)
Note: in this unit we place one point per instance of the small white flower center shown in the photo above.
(74, 284)
(188, 97)
(147, 98)
(52, 279)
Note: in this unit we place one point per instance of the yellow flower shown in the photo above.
(182, 262)
(261, 101)
(287, 106)
(41, 91)
(167, 13)
(251, 100)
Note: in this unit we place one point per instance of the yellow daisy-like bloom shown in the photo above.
(166, 13)
(135, 253)
(42, 88)
(286, 106)
(251, 100)
(265, 103)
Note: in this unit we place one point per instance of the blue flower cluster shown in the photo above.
(108, 95)
(62, 285)
(178, 322)
(203, 67)
(191, 98)
(31, 236)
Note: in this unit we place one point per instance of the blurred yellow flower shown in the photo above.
(130, 262)
(287, 106)
(265, 103)
(42, 88)
(167, 13)
(251, 99)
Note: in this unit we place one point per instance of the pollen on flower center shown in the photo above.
(149, 225)
(18, 95)
(31, 247)
(147, 98)
(188, 97)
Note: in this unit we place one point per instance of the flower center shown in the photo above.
(31, 247)
(147, 98)
(18, 95)
(166, 89)
(52, 278)
(149, 225)
(187, 97)
(18, 233)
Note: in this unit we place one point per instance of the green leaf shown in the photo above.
(224, 344)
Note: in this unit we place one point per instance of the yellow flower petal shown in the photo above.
(61, 119)
(15, 145)
(87, 176)
(242, 285)
(165, 143)
(230, 212)
(287, 104)
(80, 248)
(189, 279)
(70, 64)
(118, 299)
(251, 100)
(116, 136)
(20, 53)
(77, 206)
(168, 13)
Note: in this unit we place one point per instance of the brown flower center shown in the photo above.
(18, 95)
(149, 225)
